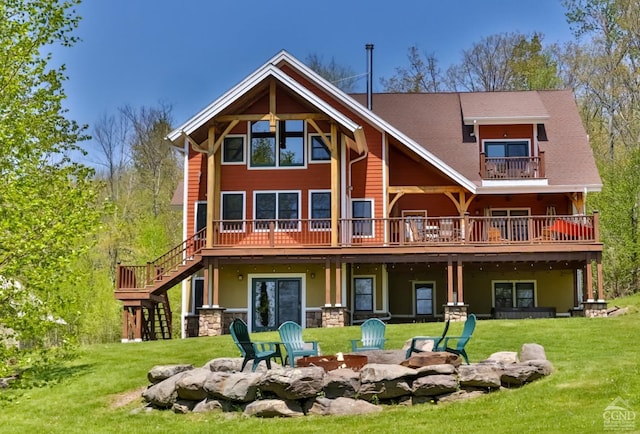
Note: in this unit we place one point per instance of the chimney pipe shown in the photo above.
(369, 48)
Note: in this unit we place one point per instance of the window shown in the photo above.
(320, 210)
(361, 212)
(200, 216)
(424, 298)
(233, 150)
(363, 289)
(198, 294)
(319, 151)
(263, 145)
(289, 152)
(514, 294)
(501, 149)
(232, 211)
(291, 143)
(281, 206)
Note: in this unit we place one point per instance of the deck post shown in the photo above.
(460, 283)
(589, 276)
(216, 281)
(450, 281)
(327, 283)
(338, 282)
(599, 277)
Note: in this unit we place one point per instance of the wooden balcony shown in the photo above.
(510, 168)
(389, 232)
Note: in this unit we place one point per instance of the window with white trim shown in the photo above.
(506, 148)
(424, 297)
(281, 207)
(514, 294)
(363, 294)
(233, 149)
(232, 212)
(283, 147)
(320, 210)
(361, 214)
(318, 151)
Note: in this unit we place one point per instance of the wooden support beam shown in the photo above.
(335, 185)
(327, 283)
(338, 282)
(577, 199)
(460, 283)
(211, 177)
(425, 189)
(600, 278)
(449, 281)
(278, 116)
(323, 137)
(272, 106)
(202, 147)
(589, 280)
(216, 282)
(227, 130)
(394, 200)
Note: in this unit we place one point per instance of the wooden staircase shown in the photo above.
(142, 289)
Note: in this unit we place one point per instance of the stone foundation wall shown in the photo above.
(314, 319)
(455, 313)
(333, 317)
(595, 309)
(210, 321)
(228, 317)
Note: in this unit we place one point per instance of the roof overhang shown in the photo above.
(501, 120)
(519, 189)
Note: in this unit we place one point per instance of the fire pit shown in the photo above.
(329, 363)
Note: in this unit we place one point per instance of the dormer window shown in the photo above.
(502, 149)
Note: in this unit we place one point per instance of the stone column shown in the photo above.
(191, 325)
(210, 321)
(455, 313)
(594, 309)
(333, 316)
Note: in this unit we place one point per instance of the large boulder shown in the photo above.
(378, 381)
(433, 385)
(162, 372)
(503, 357)
(274, 408)
(444, 369)
(293, 383)
(518, 374)
(341, 383)
(238, 387)
(224, 364)
(163, 394)
(532, 352)
(190, 386)
(479, 375)
(385, 357)
(342, 407)
(418, 360)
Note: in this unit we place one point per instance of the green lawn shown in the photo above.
(596, 361)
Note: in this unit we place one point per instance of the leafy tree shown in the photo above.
(340, 75)
(422, 74)
(505, 61)
(47, 201)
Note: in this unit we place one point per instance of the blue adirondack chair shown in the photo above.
(437, 341)
(291, 336)
(372, 336)
(256, 351)
(461, 341)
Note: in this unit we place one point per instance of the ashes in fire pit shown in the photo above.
(329, 363)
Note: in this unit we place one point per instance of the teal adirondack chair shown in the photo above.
(437, 341)
(291, 336)
(256, 351)
(372, 336)
(461, 341)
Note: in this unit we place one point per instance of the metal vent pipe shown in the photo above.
(369, 48)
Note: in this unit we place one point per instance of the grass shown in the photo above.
(595, 360)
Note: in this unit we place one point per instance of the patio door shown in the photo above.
(274, 301)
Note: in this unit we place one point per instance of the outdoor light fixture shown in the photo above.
(240, 276)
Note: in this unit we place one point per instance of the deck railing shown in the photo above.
(136, 276)
(406, 231)
(512, 167)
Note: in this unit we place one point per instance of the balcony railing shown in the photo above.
(504, 168)
(407, 231)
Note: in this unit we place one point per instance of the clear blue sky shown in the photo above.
(187, 53)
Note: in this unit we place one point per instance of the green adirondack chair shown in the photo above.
(291, 337)
(461, 341)
(437, 340)
(256, 351)
(372, 336)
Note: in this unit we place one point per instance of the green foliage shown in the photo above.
(47, 201)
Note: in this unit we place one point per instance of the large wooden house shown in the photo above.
(304, 203)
